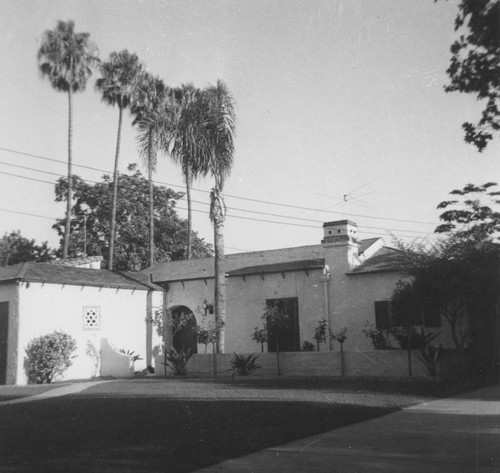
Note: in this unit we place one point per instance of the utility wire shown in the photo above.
(200, 202)
(227, 195)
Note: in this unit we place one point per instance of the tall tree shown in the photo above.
(150, 107)
(218, 141)
(459, 276)
(132, 221)
(121, 75)
(183, 142)
(475, 65)
(14, 248)
(66, 58)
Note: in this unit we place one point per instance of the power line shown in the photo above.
(206, 203)
(206, 213)
(296, 207)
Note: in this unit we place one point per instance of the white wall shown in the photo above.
(44, 308)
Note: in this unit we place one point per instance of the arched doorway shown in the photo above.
(184, 329)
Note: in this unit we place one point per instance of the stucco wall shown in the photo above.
(10, 293)
(351, 301)
(356, 363)
(48, 307)
(354, 304)
(246, 301)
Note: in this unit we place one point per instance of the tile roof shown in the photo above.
(252, 262)
(280, 267)
(204, 267)
(71, 275)
(385, 260)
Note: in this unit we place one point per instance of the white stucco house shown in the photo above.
(104, 311)
(342, 279)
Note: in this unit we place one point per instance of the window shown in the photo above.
(389, 315)
(91, 318)
(284, 335)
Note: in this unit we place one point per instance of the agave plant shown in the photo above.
(177, 360)
(430, 354)
(244, 365)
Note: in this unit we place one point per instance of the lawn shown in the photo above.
(158, 425)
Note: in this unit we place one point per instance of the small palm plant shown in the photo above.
(244, 365)
(430, 354)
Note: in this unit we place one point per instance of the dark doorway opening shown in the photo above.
(184, 324)
(286, 334)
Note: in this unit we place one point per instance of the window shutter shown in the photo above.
(382, 314)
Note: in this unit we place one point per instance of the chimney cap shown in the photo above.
(340, 222)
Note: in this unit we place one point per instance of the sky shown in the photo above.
(333, 98)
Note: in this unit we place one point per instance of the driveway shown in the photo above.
(453, 435)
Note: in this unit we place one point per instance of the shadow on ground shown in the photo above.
(83, 434)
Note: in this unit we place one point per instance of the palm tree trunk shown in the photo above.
(217, 214)
(67, 229)
(151, 202)
(189, 219)
(115, 193)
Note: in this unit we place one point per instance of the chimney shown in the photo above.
(342, 233)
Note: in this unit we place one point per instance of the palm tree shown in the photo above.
(66, 58)
(149, 108)
(218, 141)
(120, 77)
(183, 143)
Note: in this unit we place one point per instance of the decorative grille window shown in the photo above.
(91, 318)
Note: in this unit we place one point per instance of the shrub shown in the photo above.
(244, 365)
(307, 346)
(380, 338)
(177, 360)
(260, 336)
(49, 356)
(320, 332)
(430, 354)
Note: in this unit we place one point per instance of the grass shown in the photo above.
(182, 425)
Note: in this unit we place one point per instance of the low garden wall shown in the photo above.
(356, 363)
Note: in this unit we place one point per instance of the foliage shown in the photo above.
(381, 339)
(274, 321)
(307, 346)
(429, 354)
(217, 158)
(459, 274)
(149, 98)
(244, 365)
(48, 356)
(131, 353)
(320, 332)
(208, 331)
(120, 76)
(131, 247)
(340, 336)
(260, 335)
(469, 218)
(14, 248)
(407, 337)
(177, 361)
(475, 65)
(66, 57)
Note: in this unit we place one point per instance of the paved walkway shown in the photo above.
(56, 392)
(454, 435)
